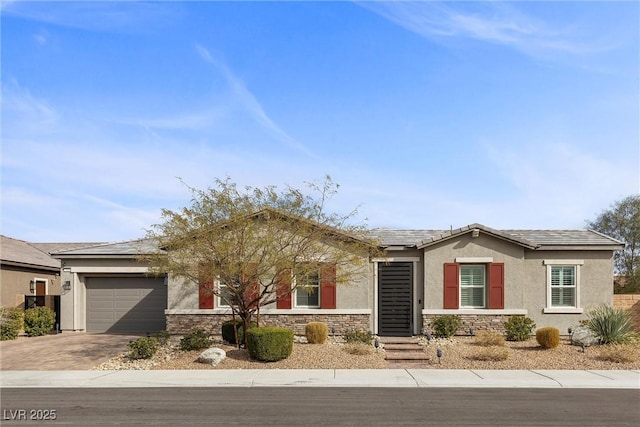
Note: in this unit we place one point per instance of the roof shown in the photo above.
(124, 249)
(531, 239)
(34, 255)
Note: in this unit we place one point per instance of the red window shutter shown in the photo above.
(283, 289)
(205, 294)
(252, 292)
(496, 285)
(451, 285)
(327, 285)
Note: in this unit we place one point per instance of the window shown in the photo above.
(563, 285)
(307, 290)
(472, 286)
(225, 295)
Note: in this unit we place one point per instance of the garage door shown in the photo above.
(126, 304)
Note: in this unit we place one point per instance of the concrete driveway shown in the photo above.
(69, 351)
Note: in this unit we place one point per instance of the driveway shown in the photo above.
(70, 351)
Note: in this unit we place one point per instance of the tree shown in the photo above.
(249, 246)
(622, 221)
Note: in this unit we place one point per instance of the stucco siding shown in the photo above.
(595, 286)
(15, 285)
(468, 247)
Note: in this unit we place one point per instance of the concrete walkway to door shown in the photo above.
(68, 351)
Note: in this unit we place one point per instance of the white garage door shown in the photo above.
(126, 304)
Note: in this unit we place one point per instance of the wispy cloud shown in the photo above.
(108, 16)
(249, 102)
(492, 22)
(22, 109)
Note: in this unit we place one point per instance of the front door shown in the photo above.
(395, 296)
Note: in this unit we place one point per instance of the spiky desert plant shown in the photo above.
(611, 325)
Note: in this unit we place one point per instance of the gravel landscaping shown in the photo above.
(457, 353)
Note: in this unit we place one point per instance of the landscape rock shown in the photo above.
(581, 335)
(212, 356)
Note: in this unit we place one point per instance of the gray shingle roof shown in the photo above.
(528, 238)
(16, 251)
(132, 247)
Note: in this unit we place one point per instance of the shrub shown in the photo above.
(143, 348)
(610, 325)
(491, 354)
(548, 337)
(619, 353)
(316, 332)
(519, 328)
(358, 336)
(487, 339)
(270, 343)
(358, 348)
(162, 337)
(11, 322)
(195, 340)
(227, 330)
(38, 321)
(445, 326)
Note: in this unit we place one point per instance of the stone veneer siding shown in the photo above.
(479, 322)
(630, 302)
(180, 324)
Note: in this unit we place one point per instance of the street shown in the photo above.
(316, 406)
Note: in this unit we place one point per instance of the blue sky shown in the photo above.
(428, 114)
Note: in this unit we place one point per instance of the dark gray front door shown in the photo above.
(395, 296)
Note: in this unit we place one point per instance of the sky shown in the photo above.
(429, 115)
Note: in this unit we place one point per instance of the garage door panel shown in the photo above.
(126, 304)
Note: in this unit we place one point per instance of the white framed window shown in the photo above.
(472, 285)
(563, 286)
(224, 295)
(307, 292)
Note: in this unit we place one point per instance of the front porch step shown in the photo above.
(398, 340)
(406, 347)
(406, 355)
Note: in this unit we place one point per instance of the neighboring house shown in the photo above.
(28, 269)
(483, 275)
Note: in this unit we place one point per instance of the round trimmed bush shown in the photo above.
(227, 330)
(316, 332)
(548, 337)
(519, 328)
(269, 343)
(197, 339)
(11, 322)
(39, 321)
(143, 348)
(445, 326)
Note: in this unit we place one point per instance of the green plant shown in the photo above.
(548, 337)
(611, 325)
(162, 337)
(519, 328)
(11, 322)
(445, 326)
(316, 332)
(270, 343)
(358, 336)
(195, 340)
(491, 354)
(38, 321)
(143, 348)
(228, 334)
(488, 339)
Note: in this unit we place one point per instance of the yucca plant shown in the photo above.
(610, 325)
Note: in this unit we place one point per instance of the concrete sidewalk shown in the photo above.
(629, 379)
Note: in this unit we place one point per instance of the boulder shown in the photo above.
(212, 356)
(581, 335)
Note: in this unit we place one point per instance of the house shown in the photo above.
(28, 269)
(483, 275)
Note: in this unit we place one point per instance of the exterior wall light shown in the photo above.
(66, 286)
